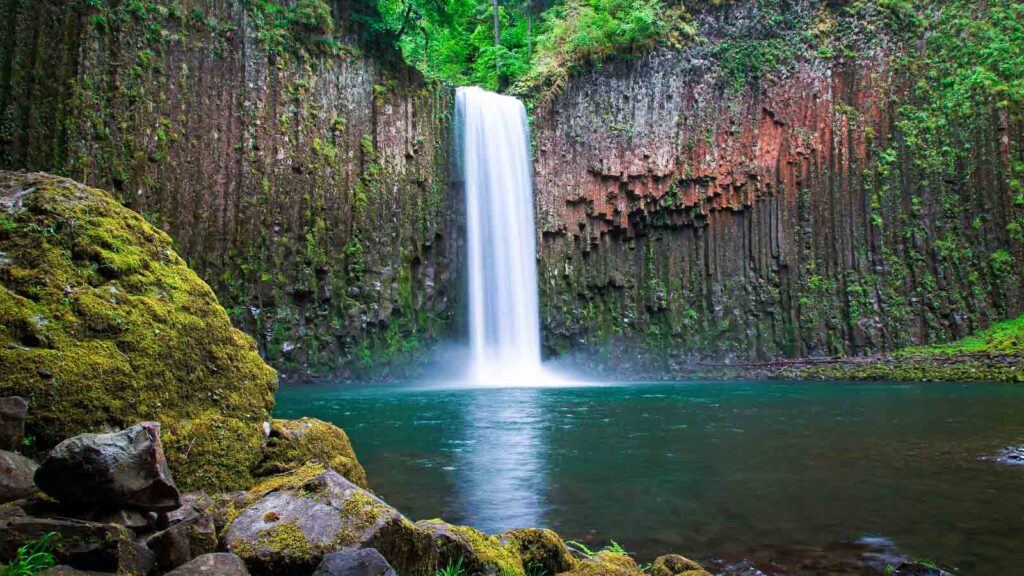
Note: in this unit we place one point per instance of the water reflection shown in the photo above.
(502, 470)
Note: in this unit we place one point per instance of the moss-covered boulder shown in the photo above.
(292, 443)
(676, 565)
(541, 551)
(605, 563)
(298, 518)
(479, 553)
(102, 325)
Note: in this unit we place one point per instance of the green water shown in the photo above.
(785, 478)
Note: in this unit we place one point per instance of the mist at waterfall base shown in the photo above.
(495, 167)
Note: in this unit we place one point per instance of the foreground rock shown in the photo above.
(292, 443)
(916, 569)
(16, 472)
(676, 565)
(12, 422)
(212, 565)
(543, 550)
(479, 553)
(124, 468)
(84, 545)
(301, 517)
(363, 562)
(605, 563)
(105, 326)
(191, 537)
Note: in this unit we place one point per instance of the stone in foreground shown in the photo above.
(63, 570)
(676, 565)
(479, 553)
(192, 537)
(363, 562)
(85, 545)
(292, 443)
(605, 563)
(16, 472)
(220, 564)
(300, 517)
(104, 326)
(125, 468)
(540, 550)
(12, 422)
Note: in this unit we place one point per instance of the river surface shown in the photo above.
(748, 477)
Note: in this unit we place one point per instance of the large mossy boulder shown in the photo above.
(296, 519)
(292, 443)
(102, 325)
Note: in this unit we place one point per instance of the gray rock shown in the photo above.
(128, 518)
(125, 468)
(12, 422)
(183, 541)
(16, 474)
(85, 545)
(362, 562)
(916, 569)
(220, 564)
(192, 503)
(1013, 455)
(69, 571)
(308, 515)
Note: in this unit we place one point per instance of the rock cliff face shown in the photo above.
(684, 206)
(306, 181)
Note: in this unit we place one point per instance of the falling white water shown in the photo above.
(504, 323)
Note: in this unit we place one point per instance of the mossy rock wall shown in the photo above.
(301, 171)
(802, 180)
(103, 325)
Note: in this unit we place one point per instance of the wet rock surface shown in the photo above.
(16, 473)
(1013, 455)
(218, 564)
(13, 410)
(676, 565)
(181, 542)
(292, 443)
(363, 562)
(84, 545)
(126, 468)
(301, 517)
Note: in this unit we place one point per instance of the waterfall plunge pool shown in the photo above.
(784, 478)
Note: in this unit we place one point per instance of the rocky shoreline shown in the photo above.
(112, 501)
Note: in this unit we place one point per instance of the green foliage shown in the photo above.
(95, 297)
(612, 546)
(971, 62)
(33, 557)
(743, 59)
(306, 22)
(1002, 338)
(454, 568)
(770, 43)
(454, 40)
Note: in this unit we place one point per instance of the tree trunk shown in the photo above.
(497, 42)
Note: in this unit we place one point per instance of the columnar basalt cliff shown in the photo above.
(762, 195)
(304, 178)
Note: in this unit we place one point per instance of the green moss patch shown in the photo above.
(292, 443)
(103, 325)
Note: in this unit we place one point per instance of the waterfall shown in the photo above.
(495, 164)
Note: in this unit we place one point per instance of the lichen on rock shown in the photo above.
(292, 443)
(479, 553)
(103, 325)
(298, 518)
(540, 549)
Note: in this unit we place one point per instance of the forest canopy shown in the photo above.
(525, 45)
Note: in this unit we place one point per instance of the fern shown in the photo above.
(33, 557)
